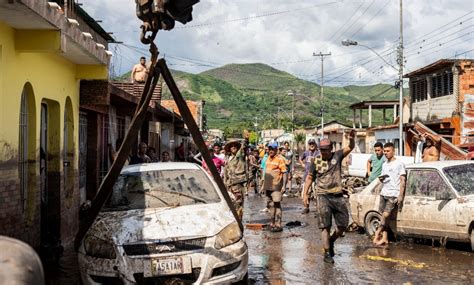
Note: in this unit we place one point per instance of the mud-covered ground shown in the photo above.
(294, 256)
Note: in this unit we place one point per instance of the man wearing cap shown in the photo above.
(275, 167)
(330, 202)
(306, 160)
(235, 172)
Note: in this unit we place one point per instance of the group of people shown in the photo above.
(268, 171)
(322, 169)
(144, 154)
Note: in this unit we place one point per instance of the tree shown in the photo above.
(300, 137)
(253, 138)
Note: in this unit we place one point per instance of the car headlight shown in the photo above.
(99, 248)
(229, 235)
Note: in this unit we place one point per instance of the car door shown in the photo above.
(429, 207)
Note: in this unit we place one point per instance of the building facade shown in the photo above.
(43, 57)
(441, 95)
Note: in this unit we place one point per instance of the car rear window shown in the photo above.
(164, 188)
(461, 177)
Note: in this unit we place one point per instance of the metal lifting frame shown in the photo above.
(157, 68)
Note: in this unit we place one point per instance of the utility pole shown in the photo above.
(292, 93)
(278, 118)
(322, 55)
(401, 143)
(256, 129)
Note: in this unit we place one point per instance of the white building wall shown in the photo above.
(388, 135)
(435, 108)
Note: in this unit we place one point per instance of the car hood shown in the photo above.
(162, 224)
(469, 200)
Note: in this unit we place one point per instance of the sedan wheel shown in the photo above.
(372, 222)
(472, 240)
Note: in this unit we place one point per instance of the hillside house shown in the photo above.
(442, 99)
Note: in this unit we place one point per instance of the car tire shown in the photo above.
(372, 222)
(472, 240)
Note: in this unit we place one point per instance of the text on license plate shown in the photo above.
(169, 266)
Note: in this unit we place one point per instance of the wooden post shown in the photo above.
(384, 116)
(353, 118)
(106, 187)
(360, 118)
(394, 112)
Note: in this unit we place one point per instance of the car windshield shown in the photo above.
(164, 188)
(462, 178)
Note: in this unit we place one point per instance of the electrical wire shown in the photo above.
(270, 14)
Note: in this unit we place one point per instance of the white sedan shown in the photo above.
(439, 202)
(164, 222)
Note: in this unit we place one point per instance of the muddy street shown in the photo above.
(294, 256)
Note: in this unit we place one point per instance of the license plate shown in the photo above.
(170, 266)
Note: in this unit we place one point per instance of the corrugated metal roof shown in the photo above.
(434, 66)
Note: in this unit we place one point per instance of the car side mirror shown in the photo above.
(443, 195)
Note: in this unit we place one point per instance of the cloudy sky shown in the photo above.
(285, 34)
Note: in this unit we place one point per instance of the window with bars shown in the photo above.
(104, 148)
(120, 127)
(442, 84)
(419, 90)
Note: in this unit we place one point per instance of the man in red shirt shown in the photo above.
(275, 167)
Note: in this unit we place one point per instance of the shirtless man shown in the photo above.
(140, 71)
(432, 149)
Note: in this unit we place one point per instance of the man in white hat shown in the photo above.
(235, 172)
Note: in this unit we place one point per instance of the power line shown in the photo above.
(360, 17)
(447, 40)
(344, 24)
(270, 14)
(442, 26)
(373, 17)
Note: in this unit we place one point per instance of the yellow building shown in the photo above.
(44, 53)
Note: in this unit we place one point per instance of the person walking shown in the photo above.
(253, 166)
(330, 202)
(375, 162)
(235, 172)
(275, 167)
(288, 154)
(262, 170)
(306, 160)
(392, 193)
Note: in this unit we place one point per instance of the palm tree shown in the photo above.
(300, 137)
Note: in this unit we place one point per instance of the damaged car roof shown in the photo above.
(439, 164)
(158, 166)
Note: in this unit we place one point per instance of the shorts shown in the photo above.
(329, 205)
(387, 204)
(274, 196)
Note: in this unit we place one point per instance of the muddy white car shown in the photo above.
(164, 222)
(439, 202)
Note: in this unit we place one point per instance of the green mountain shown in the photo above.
(239, 95)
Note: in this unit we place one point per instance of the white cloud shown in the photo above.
(288, 40)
